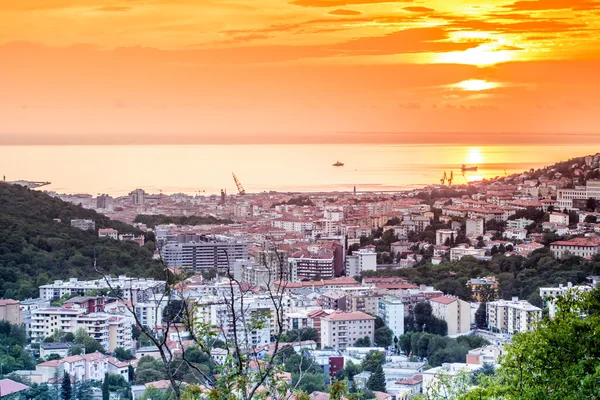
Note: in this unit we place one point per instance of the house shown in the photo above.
(454, 311)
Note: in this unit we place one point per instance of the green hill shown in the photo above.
(34, 249)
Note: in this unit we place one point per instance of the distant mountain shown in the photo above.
(34, 249)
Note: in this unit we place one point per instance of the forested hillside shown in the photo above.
(34, 249)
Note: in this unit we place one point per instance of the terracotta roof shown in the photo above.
(350, 316)
(443, 300)
(8, 386)
(8, 302)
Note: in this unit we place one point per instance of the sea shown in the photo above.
(206, 169)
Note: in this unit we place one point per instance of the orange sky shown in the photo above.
(229, 71)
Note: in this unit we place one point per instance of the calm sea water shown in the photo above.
(207, 169)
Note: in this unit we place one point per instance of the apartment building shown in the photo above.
(520, 223)
(198, 252)
(456, 253)
(10, 311)
(483, 289)
(512, 316)
(443, 236)
(341, 330)
(367, 301)
(475, 227)
(83, 224)
(581, 247)
(314, 265)
(110, 331)
(391, 310)
(133, 289)
(456, 313)
(108, 233)
(550, 294)
(335, 300)
(361, 260)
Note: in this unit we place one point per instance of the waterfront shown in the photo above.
(116, 170)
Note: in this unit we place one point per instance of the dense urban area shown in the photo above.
(481, 290)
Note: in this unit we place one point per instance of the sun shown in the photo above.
(474, 156)
(475, 85)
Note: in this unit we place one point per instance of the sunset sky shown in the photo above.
(299, 71)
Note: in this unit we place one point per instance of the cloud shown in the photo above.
(114, 8)
(410, 106)
(419, 9)
(340, 11)
(340, 3)
(541, 5)
(531, 26)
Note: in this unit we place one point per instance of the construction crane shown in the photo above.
(240, 188)
(444, 178)
(451, 178)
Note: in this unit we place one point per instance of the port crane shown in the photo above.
(447, 178)
(240, 188)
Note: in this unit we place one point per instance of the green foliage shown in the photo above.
(384, 337)
(149, 370)
(34, 249)
(65, 387)
(372, 360)
(481, 316)
(348, 372)
(105, 388)
(299, 334)
(439, 349)
(13, 356)
(296, 201)
(299, 363)
(363, 342)
(83, 391)
(558, 360)
(422, 320)
(152, 220)
(376, 381)
(123, 354)
(310, 382)
(90, 344)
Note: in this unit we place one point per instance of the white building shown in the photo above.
(580, 247)
(446, 380)
(341, 330)
(565, 197)
(475, 227)
(109, 233)
(444, 235)
(391, 310)
(198, 252)
(83, 224)
(361, 260)
(559, 218)
(456, 313)
(134, 289)
(515, 234)
(549, 295)
(520, 223)
(456, 253)
(138, 197)
(512, 316)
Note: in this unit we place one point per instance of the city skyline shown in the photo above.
(304, 71)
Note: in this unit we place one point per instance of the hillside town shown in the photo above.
(341, 281)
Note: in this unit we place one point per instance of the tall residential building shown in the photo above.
(391, 311)
(444, 237)
(550, 294)
(340, 330)
(456, 313)
(566, 198)
(243, 210)
(361, 260)
(10, 311)
(198, 252)
(475, 227)
(134, 289)
(83, 224)
(104, 202)
(138, 197)
(512, 316)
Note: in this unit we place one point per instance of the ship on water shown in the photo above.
(464, 168)
(338, 164)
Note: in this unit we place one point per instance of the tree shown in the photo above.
(84, 391)
(372, 360)
(363, 342)
(123, 354)
(105, 388)
(481, 316)
(548, 363)
(591, 204)
(590, 219)
(376, 381)
(65, 390)
(383, 337)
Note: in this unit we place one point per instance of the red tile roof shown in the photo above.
(350, 316)
(443, 300)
